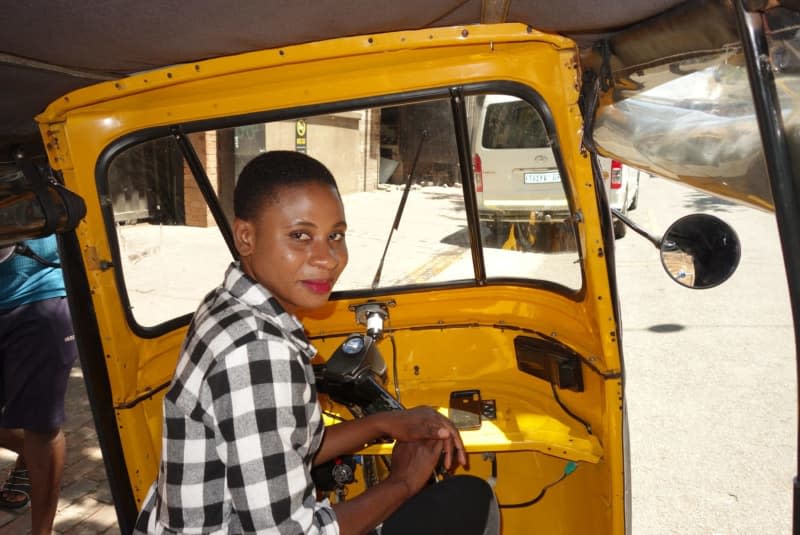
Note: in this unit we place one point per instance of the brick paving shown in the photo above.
(85, 506)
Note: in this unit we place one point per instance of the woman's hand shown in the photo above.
(412, 466)
(413, 463)
(425, 424)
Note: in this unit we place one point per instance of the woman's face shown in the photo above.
(295, 247)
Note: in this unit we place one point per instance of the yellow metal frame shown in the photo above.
(78, 127)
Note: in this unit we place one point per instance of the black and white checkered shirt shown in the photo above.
(241, 423)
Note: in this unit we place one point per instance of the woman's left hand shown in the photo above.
(424, 423)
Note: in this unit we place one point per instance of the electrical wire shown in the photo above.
(574, 416)
(334, 416)
(22, 249)
(568, 469)
(395, 379)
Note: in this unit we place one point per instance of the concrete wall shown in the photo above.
(347, 143)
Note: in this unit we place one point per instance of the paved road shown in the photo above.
(711, 384)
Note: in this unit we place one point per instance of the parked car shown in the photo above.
(517, 177)
(622, 189)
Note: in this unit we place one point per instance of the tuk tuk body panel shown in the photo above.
(448, 339)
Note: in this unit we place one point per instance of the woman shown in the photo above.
(242, 423)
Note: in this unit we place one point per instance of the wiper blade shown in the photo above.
(376, 280)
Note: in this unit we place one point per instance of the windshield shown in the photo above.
(398, 171)
(693, 120)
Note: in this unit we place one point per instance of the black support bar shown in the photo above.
(458, 104)
(206, 189)
(785, 183)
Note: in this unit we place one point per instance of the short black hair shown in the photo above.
(264, 175)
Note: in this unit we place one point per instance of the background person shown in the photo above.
(37, 351)
(242, 424)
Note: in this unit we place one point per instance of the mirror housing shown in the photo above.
(700, 251)
(29, 211)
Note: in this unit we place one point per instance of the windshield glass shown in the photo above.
(693, 120)
(398, 172)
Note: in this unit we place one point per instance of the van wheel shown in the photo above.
(619, 229)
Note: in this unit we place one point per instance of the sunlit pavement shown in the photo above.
(85, 504)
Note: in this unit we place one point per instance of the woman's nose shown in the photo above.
(324, 255)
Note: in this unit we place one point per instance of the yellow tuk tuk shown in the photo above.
(512, 330)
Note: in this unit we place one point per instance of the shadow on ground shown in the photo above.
(666, 328)
(542, 238)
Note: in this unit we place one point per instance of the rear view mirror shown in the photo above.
(29, 211)
(697, 251)
(700, 251)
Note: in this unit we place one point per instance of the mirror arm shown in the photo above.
(636, 228)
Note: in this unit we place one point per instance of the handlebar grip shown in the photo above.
(381, 400)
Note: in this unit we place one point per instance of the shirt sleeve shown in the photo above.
(261, 403)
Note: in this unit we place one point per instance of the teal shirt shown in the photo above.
(23, 280)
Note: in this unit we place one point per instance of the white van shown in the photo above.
(516, 175)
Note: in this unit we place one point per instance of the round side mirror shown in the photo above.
(700, 251)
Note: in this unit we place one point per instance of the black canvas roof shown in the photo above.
(50, 47)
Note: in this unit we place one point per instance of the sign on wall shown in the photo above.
(300, 136)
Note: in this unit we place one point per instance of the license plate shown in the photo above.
(542, 178)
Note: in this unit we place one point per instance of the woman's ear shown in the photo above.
(243, 236)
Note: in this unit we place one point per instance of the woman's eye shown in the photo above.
(301, 236)
(337, 236)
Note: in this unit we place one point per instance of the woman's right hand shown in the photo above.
(412, 466)
(425, 423)
(414, 462)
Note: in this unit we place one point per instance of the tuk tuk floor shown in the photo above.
(85, 506)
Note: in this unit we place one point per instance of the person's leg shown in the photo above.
(11, 497)
(38, 359)
(460, 504)
(11, 439)
(49, 450)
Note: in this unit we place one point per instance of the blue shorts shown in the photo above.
(37, 351)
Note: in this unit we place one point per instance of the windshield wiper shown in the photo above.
(376, 280)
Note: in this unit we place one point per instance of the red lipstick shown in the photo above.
(318, 286)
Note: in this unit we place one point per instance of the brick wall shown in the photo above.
(196, 208)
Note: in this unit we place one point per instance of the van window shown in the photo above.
(172, 250)
(513, 125)
(526, 220)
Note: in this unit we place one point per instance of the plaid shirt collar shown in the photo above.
(249, 291)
